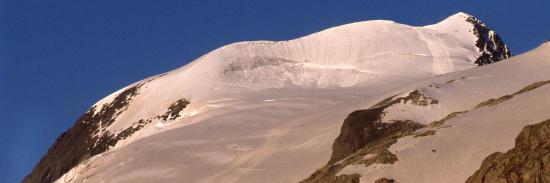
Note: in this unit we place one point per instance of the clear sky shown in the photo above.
(58, 57)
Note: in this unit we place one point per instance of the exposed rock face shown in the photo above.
(174, 110)
(385, 180)
(492, 102)
(490, 45)
(88, 137)
(365, 126)
(527, 162)
(80, 143)
(375, 140)
(417, 98)
(363, 133)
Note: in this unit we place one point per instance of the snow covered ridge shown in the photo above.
(363, 54)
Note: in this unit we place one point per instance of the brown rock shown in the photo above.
(527, 162)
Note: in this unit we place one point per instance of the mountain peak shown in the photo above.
(489, 43)
(456, 19)
(461, 14)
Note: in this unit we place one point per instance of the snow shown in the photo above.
(357, 54)
(295, 128)
(474, 135)
(269, 111)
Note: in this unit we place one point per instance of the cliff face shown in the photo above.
(489, 43)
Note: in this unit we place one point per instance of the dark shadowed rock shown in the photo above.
(353, 178)
(174, 110)
(385, 180)
(84, 139)
(363, 133)
(364, 127)
(417, 98)
(80, 142)
(490, 45)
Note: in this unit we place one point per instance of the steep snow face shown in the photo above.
(249, 104)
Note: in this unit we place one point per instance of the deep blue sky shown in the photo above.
(58, 57)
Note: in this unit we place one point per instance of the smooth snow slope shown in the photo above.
(268, 111)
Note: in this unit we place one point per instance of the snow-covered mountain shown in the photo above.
(267, 111)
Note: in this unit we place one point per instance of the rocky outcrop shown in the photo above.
(174, 110)
(493, 101)
(88, 137)
(369, 141)
(417, 98)
(81, 142)
(527, 162)
(362, 128)
(385, 180)
(365, 126)
(490, 45)
(365, 139)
